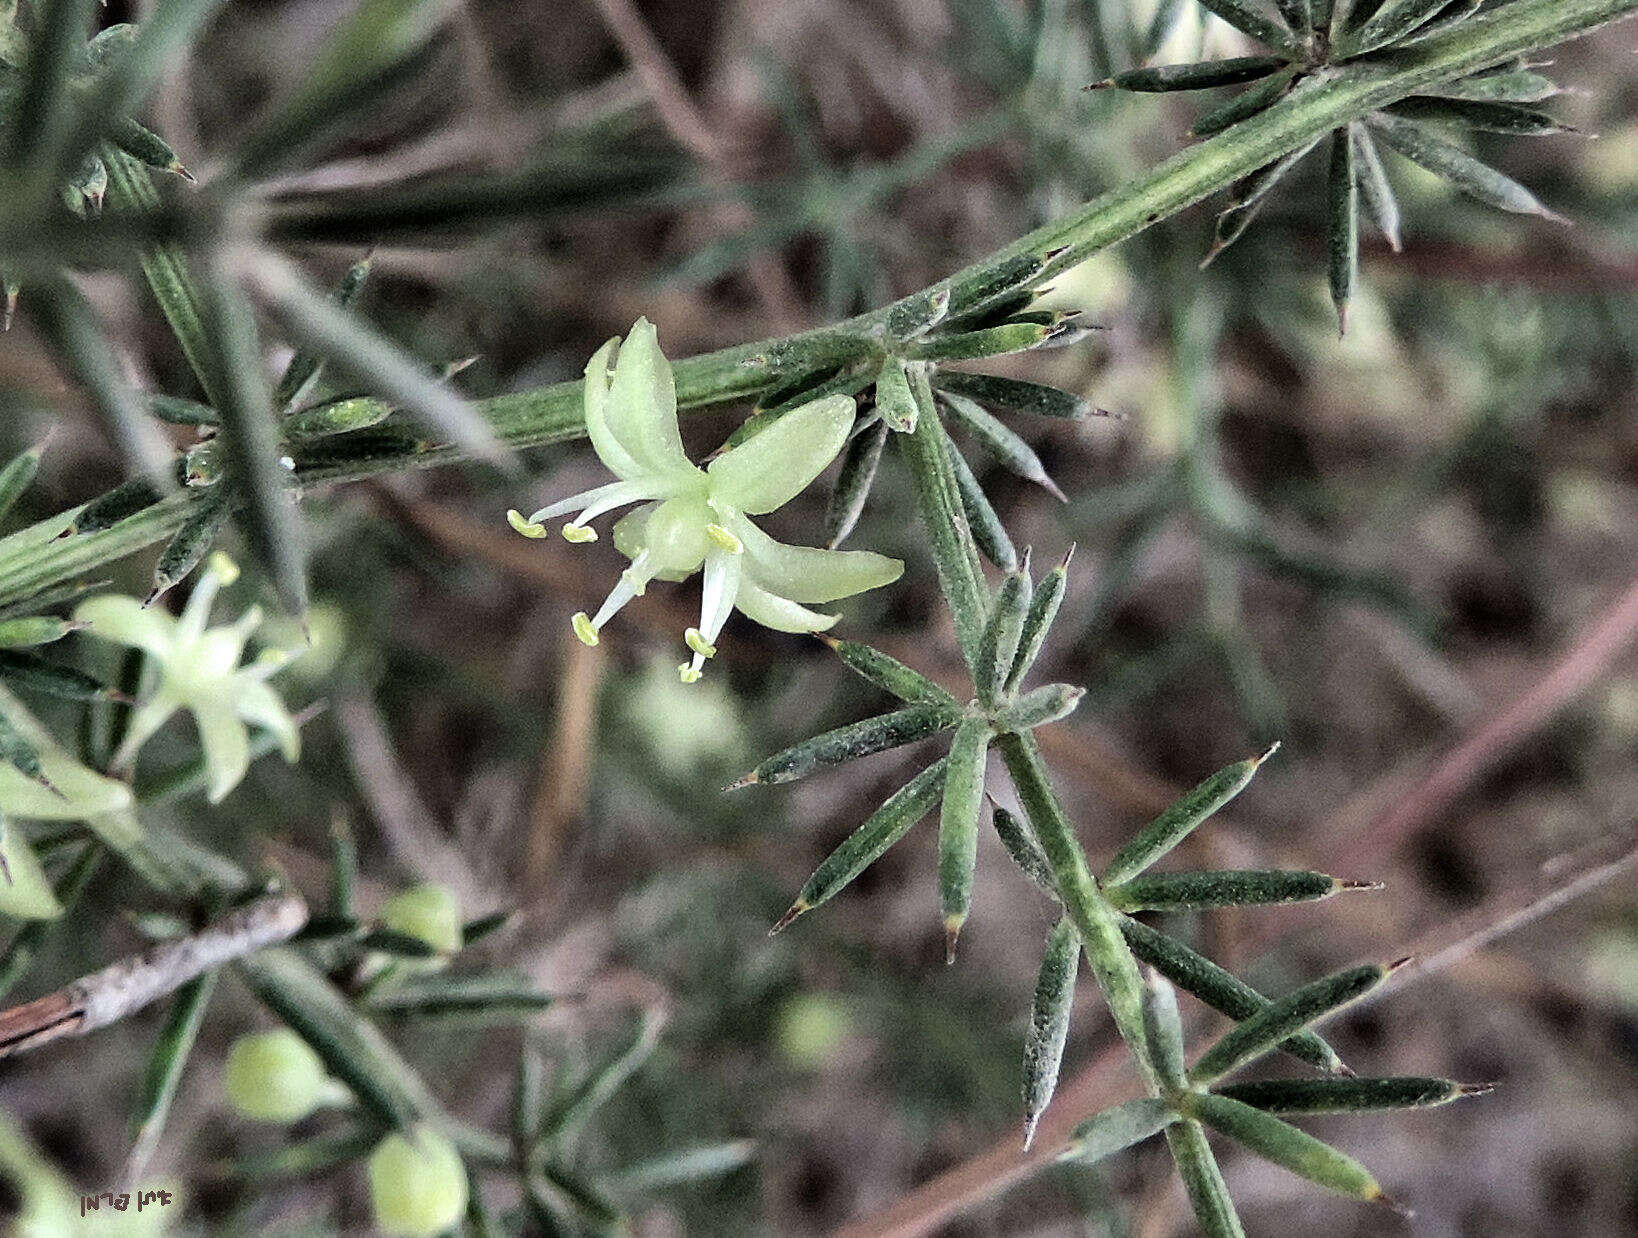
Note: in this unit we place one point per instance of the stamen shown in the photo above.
(593, 503)
(223, 568)
(631, 584)
(578, 533)
(267, 663)
(722, 569)
(526, 527)
(575, 502)
(583, 628)
(724, 539)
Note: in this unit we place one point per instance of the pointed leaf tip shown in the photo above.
(1388, 1202)
(797, 908)
(952, 934)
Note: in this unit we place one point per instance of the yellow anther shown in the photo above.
(724, 539)
(227, 571)
(528, 528)
(579, 533)
(697, 642)
(583, 628)
(688, 674)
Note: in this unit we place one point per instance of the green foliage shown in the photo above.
(355, 993)
(1305, 53)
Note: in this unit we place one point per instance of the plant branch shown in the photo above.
(30, 561)
(116, 991)
(1103, 1082)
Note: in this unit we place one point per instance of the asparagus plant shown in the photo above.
(1355, 75)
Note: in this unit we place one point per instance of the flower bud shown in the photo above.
(418, 1185)
(275, 1077)
(428, 912)
(811, 1028)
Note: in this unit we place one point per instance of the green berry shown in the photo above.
(811, 1028)
(417, 1184)
(429, 912)
(275, 1077)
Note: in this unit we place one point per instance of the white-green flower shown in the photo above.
(692, 518)
(69, 792)
(199, 671)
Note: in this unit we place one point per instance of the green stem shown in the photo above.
(30, 561)
(1097, 922)
(964, 589)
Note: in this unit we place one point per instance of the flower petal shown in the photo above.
(27, 895)
(771, 469)
(608, 447)
(226, 744)
(723, 570)
(808, 574)
(116, 617)
(80, 792)
(780, 614)
(260, 706)
(642, 403)
(145, 721)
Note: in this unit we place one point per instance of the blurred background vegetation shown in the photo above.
(1408, 555)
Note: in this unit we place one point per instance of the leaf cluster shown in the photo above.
(1306, 44)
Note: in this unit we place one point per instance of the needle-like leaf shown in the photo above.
(250, 437)
(67, 321)
(1375, 192)
(1292, 1013)
(1342, 225)
(324, 328)
(1049, 1022)
(1472, 176)
(363, 57)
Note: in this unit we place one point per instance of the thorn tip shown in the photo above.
(784, 921)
